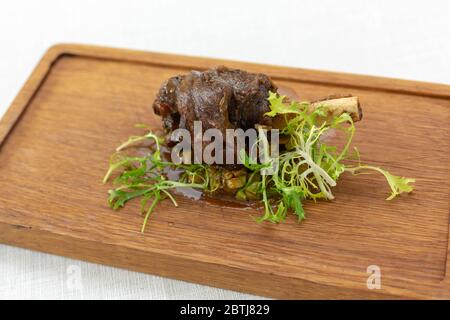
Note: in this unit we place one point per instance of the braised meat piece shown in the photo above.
(220, 98)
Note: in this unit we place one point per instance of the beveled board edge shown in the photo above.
(22, 236)
(210, 274)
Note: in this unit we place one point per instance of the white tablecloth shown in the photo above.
(402, 39)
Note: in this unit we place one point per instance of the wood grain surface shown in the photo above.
(81, 101)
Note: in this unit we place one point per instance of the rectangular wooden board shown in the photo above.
(81, 101)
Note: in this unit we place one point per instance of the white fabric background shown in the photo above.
(403, 39)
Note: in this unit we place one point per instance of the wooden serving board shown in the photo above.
(82, 101)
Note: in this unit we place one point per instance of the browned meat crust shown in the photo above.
(221, 98)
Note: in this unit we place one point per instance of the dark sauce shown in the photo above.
(218, 199)
(229, 201)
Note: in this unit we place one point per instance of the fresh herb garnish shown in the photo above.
(308, 168)
(146, 177)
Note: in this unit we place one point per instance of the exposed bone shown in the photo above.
(337, 106)
(333, 106)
